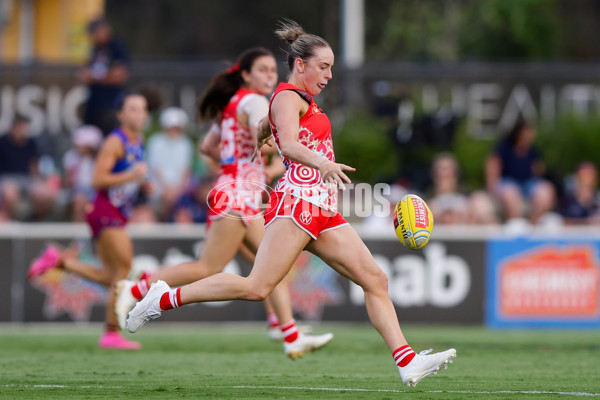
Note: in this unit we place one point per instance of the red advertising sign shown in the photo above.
(551, 281)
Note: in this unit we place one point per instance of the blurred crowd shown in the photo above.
(35, 187)
(518, 191)
(36, 184)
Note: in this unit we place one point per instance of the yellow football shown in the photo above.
(413, 222)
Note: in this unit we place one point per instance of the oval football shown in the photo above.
(413, 222)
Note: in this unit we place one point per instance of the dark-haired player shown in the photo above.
(119, 173)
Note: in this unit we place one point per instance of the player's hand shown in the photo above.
(333, 173)
(139, 171)
(257, 155)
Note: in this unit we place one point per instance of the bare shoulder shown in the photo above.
(113, 145)
(289, 99)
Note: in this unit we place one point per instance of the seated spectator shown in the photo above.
(447, 204)
(580, 203)
(78, 164)
(170, 158)
(482, 210)
(192, 207)
(514, 175)
(20, 177)
(143, 212)
(447, 201)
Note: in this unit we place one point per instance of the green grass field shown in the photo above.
(236, 361)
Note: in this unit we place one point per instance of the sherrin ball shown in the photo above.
(413, 222)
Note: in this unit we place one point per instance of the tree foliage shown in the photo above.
(510, 30)
(363, 144)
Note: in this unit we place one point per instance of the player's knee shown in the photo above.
(381, 281)
(257, 293)
(376, 282)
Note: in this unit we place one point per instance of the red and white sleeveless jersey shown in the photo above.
(237, 146)
(315, 133)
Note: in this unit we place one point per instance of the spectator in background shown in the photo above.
(78, 164)
(580, 203)
(449, 204)
(142, 212)
(514, 175)
(170, 158)
(20, 177)
(105, 73)
(192, 207)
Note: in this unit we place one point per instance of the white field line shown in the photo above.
(325, 389)
(61, 386)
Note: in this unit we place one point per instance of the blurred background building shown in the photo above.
(41, 31)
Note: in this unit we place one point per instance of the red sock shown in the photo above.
(272, 320)
(140, 289)
(290, 331)
(170, 299)
(403, 355)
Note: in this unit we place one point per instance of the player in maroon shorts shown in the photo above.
(119, 173)
(302, 215)
(235, 101)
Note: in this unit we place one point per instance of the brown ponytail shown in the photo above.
(224, 85)
(302, 44)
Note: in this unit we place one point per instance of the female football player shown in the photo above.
(235, 100)
(302, 214)
(119, 173)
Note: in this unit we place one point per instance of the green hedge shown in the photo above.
(363, 143)
(569, 141)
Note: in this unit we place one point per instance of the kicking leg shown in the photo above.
(344, 251)
(295, 344)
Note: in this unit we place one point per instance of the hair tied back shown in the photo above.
(234, 68)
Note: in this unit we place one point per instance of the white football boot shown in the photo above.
(125, 301)
(305, 344)
(148, 308)
(425, 364)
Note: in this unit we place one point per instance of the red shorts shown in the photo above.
(310, 218)
(101, 214)
(222, 202)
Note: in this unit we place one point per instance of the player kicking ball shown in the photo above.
(302, 214)
(235, 102)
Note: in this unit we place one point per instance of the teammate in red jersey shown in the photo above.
(235, 100)
(302, 214)
(119, 173)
